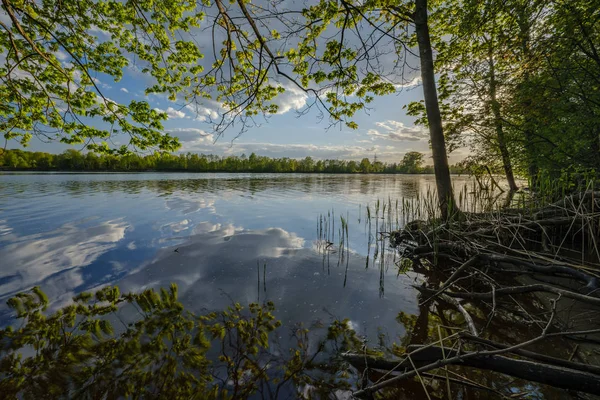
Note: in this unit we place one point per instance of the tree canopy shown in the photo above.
(519, 83)
(54, 55)
(55, 52)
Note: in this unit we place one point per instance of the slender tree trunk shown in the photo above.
(532, 165)
(499, 128)
(438, 144)
(524, 32)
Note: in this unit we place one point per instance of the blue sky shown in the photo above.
(384, 129)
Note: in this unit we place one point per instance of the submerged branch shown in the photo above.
(433, 358)
(594, 369)
(516, 290)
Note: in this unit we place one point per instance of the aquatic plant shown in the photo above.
(113, 345)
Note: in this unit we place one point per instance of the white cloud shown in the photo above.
(124, 90)
(292, 99)
(5, 18)
(416, 81)
(97, 31)
(329, 151)
(396, 130)
(61, 55)
(103, 85)
(176, 227)
(192, 136)
(202, 113)
(172, 113)
(31, 259)
(187, 206)
(108, 99)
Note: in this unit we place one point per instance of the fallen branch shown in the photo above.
(463, 311)
(553, 375)
(433, 358)
(456, 381)
(516, 290)
(563, 204)
(591, 281)
(535, 356)
(471, 262)
(497, 243)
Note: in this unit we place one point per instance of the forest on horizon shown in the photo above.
(73, 160)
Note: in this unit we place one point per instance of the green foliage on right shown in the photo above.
(518, 83)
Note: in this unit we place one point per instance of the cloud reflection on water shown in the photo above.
(261, 218)
(221, 263)
(50, 257)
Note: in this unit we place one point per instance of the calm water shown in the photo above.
(74, 232)
(207, 233)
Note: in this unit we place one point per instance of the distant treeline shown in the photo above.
(72, 160)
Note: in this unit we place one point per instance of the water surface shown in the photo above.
(235, 237)
(220, 237)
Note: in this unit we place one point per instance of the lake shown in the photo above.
(220, 237)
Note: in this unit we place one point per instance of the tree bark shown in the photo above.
(506, 163)
(524, 33)
(438, 144)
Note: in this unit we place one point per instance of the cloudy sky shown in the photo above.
(384, 129)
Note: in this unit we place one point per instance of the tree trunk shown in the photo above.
(438, 144)
(524, 33)
(499, 128)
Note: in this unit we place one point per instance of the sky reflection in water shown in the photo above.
(75, 232)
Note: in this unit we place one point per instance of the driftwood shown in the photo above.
(594, 369)
(590, 280)
(516, 290)
(483, 258)
(436, 357)
(482, 254)
(463, 311)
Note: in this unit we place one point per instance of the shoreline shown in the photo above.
(66, 172)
